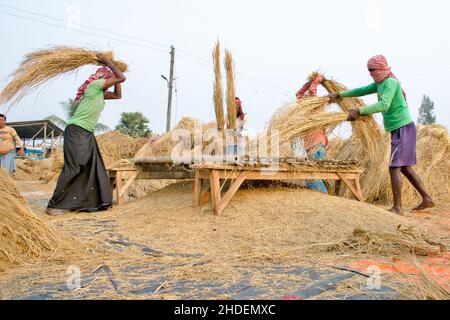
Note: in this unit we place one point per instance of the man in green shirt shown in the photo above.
(398, 121)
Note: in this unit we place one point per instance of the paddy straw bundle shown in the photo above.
(22, 235)
(369, 132)
(407, 241)
(306, 116)
(190, 132)
(41, 66)
(426, 285)
(231, 90)
(115, 146)
(218, 90)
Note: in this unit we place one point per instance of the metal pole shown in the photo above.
(44, 144)
(169, 106)
(53, 142)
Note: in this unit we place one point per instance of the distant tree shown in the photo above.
(70, 108)
(426, 111)
(134, 124)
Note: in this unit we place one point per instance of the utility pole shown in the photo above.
(169, 106)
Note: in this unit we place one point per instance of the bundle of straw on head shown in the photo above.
(231, 90)
(218, 91)
(44, 65)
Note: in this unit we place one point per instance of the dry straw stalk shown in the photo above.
(231, 90)
(218, 90)
(41, 66)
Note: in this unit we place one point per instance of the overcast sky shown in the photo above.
(275, 45)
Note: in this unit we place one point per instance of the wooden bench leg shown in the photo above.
(204, 198)
(112, 184)
(234, 187)
(119, 183)
(354, 189)
(328, 186)
(197, 189)
(358, 188)
(215, 191)
(337, 187)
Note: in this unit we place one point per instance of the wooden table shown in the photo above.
(121, 178)
(349, 175)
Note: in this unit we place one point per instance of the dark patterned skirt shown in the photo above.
(84, 183)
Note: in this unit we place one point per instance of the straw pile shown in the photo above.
(433, 166)
(218, 90)
(231, 90)
(189, 132)
(115, 146)
(424, 287)
(47, 170)
(406, 241)
(22, 234)
(41, 66)
(369, 132)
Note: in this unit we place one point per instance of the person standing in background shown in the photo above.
(9, 141)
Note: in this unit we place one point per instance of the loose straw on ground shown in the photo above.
(41, 66)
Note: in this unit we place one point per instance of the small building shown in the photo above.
(40, 138)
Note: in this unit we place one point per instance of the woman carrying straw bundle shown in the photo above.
(398, 121)
(316, 143)
(83, 185)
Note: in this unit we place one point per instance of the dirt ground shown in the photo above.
(161, 247)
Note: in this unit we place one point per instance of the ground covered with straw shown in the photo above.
(161, 247)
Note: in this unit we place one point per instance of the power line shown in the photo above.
(427, 73)
(84, 32)
(86, 26)
(201, 61)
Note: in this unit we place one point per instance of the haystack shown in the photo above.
(115, 146)
(44, 65)
(22, 234)
(190, 132)
(47, 170)
(433, 166)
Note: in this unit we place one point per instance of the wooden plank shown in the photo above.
(358, 188)
(352, 188)
(328, 186)
(197, 189)
(112, 182)
(166, 175)
(337, 187)
(204, 198)
(215, 191)
(253, 175)
(129, 180)
(119, 184)
(231, 191)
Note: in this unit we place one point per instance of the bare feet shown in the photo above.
(398, 211)
(426, 204)
(55, 212)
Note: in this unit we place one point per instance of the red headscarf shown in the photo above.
(101, 73)
(381, 70)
